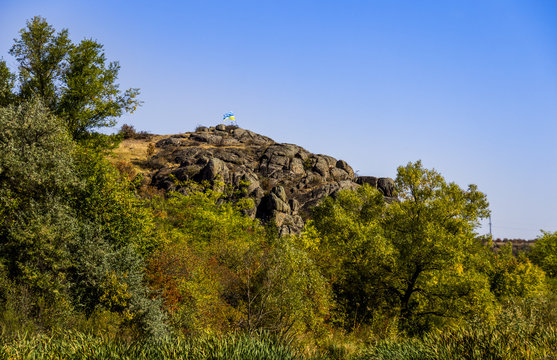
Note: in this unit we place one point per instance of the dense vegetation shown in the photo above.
(95, 264)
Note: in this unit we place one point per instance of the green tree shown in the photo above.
(71, 228)
(419, 255)
(432, 229)
(512, 276)
(74, 80)
(42, 57)
(36, 158)
(544, 253)
(7, 82)
(346, 239)
(218, 270)
(90, 97)
(37, 226)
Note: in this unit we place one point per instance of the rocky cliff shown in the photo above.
(284, 180)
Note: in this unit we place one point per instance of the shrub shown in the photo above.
(150, 150)
(129, 132)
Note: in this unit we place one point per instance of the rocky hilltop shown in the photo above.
(284, 180)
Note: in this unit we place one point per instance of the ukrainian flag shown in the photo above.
(229, 116)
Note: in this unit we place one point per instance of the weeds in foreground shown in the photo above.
(469, 343)
(80, 346)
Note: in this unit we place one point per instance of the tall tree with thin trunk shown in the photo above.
(75, 81)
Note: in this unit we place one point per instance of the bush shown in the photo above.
(544, 253)
(219, 271)
(129, 132)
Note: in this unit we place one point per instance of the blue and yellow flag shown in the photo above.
(229, 116)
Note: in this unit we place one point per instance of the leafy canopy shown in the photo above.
(74, 80)
(544, 253)
(418, 256)
(219, 270)
(72, 230)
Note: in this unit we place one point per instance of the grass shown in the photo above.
(484, 342)
(79, 346)
(134, 151)
(471, 343)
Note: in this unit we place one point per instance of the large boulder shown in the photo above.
(215, 169)
(386, 186)
(371, 180)
(343, 165)
(321, 166)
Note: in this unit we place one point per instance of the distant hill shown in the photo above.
(284, 180)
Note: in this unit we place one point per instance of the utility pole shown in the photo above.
(490, 225)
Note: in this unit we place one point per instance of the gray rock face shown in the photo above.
(371, 180)
(214, 170)
(386, 186)
(284, 180)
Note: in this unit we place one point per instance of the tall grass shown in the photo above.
(471, 343)
(481, 343)
(516, 337)
(79, 346)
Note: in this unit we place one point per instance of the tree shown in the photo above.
(42, 57)
(71, 229)
(90, 97)
(432, 231)
(37, 226)
(220, 271)
(512, 276)
(418, 255)
(7, 80)
(74, 81)
(35, 158)
(544, 253)
(346, 236)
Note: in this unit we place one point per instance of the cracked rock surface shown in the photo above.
(284, 180)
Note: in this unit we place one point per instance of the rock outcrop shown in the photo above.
(284, 180)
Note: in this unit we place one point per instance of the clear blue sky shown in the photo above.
(469, 87)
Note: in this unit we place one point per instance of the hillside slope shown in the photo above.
(284, 180)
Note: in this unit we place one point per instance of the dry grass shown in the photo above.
(134, 151)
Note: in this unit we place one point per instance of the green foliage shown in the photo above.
(70, 225)
(519, 332)
(418, 256)
(219, 271)
(72, 229)
(74, 80)
(512, 337)
(41, 55)
(36, 226)
(35, 156)
(110, 277)
(79, 346)
(347, 241)
(432, 230)
(7, 82)
(544, 253)
(90, 97)
(515, 277)
(109, 199)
